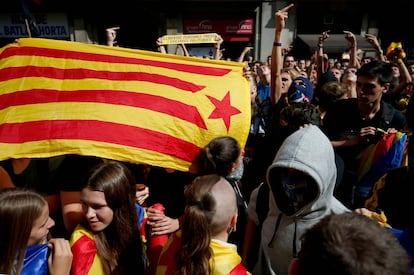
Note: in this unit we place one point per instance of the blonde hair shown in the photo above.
(291, 71)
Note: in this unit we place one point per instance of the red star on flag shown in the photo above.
(152, 106)
(223, 109)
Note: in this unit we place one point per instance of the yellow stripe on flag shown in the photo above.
(60, 97)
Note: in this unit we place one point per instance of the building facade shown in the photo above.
(241, 23)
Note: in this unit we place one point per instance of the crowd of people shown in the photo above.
(294, 200)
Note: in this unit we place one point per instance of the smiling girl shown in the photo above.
(109, 240)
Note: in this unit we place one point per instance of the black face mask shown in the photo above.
(292, 191)
(295, 187)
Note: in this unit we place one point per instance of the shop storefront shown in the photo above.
(236, 31)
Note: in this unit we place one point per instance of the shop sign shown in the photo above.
(221, 26)
(49, 25)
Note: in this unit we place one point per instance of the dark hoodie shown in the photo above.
(307, 150)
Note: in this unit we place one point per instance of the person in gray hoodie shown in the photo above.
(301, 180)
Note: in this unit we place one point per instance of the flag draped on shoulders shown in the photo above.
(225, 257)
(35, 260)
(62, 97)
(83, 246)
(85, 260)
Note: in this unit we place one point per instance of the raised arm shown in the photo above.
(320, 54)
(111, 36)
(277, 58)
(217, 50)
(161, 47)
(373, 40)
(243, 54)
(353, 49)
(183, 49)
(405, 76)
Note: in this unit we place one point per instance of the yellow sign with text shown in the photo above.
(189, 38)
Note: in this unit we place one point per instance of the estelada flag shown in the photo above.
(378, 158)
(61, 97)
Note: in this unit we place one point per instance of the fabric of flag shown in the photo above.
(142, 222)
(35, 260)
(83, 246)
(62, 97)
(377, 159)
(85, 259)
(225, 256)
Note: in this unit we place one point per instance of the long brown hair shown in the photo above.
(202, 220)
(19, 209)
(119, 245)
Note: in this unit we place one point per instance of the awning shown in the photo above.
(336, 43)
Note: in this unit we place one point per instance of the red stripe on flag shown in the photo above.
(238, 270)
(49, 72)
(66, 54)
(86, 247)
(139, 100)
(101, 131)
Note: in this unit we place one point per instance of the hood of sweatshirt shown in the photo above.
(309, 151)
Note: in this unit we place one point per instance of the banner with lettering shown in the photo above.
(61, 97)
(189, 38)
